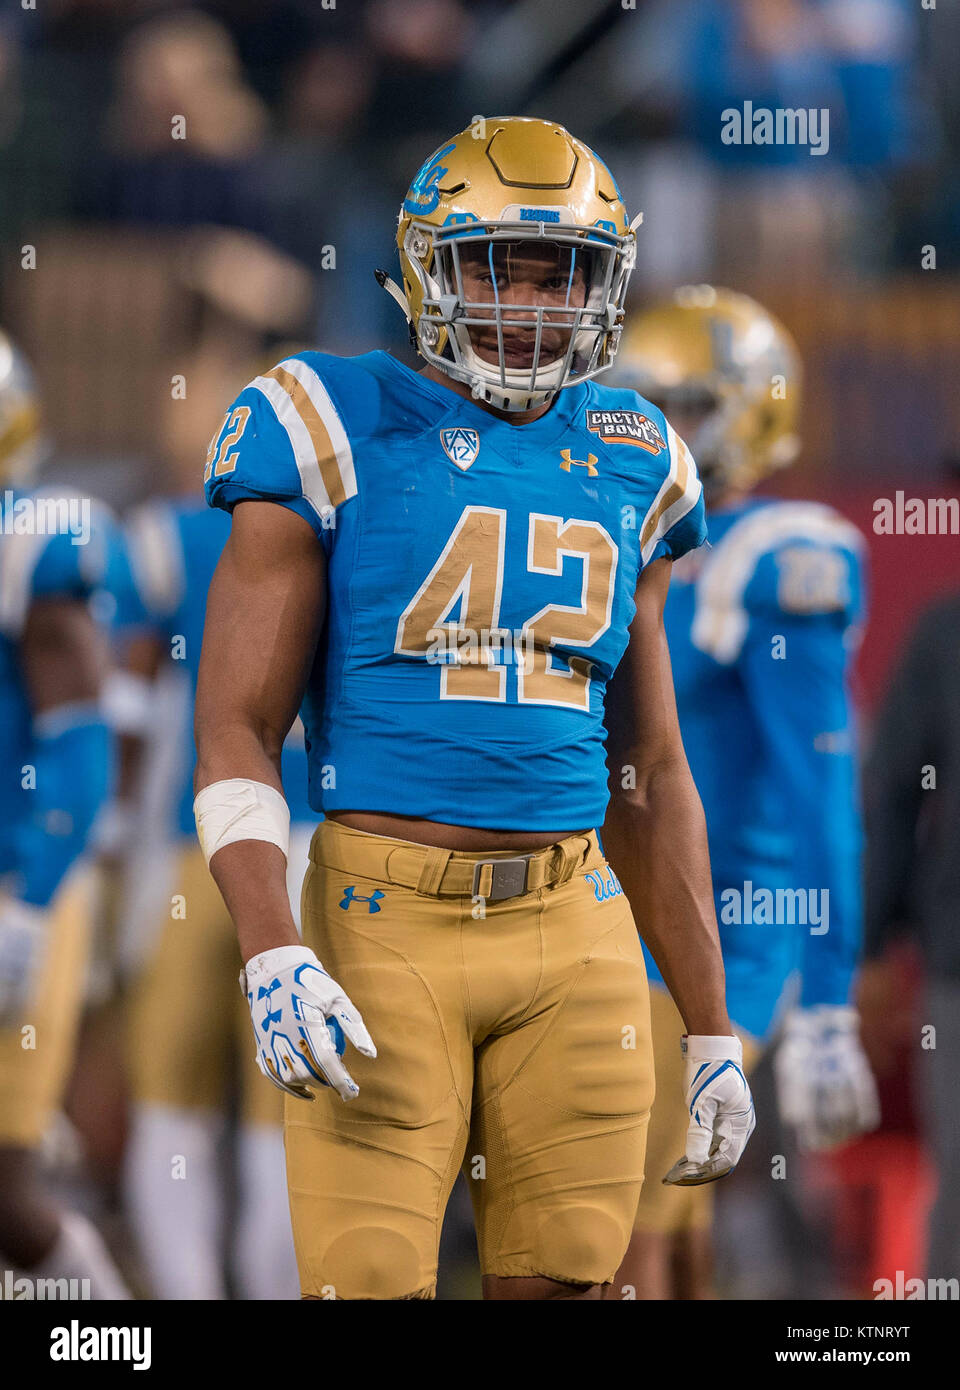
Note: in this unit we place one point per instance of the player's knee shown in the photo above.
(580, 1244)
(370, 1262)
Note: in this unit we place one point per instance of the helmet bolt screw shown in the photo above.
(429, 334)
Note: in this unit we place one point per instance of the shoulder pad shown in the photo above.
(282, 439)
(797, 558)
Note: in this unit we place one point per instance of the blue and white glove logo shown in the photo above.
(302, 1021)
(720, 1106)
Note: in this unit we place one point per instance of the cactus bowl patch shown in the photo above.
(626, 427)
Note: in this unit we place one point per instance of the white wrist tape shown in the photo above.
(238, 809)
(712, 1048)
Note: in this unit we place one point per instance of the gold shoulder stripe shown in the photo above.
(326, 454)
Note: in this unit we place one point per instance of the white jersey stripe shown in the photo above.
(304, 452)
(325, 408)
(678, 495)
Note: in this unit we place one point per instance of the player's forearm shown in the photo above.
(250, 873)
(252, 877)
(655, 838)
(232, 743)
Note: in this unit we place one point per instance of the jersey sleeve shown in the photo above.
(802, 604)
(675, 522)
(284, 440)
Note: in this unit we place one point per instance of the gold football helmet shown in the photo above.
(21, 445)
(515, 249)
(726, 374)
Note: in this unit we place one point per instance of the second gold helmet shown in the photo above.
(721, 357)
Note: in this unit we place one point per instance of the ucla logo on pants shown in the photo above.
(351, 896)
(604, 886)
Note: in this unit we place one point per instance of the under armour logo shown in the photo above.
(589, 463)
(350, 895)
(265, 992)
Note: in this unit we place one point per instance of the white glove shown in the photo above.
(721, 1110)
(22, 937)
(301, 1018)
(825, 1088)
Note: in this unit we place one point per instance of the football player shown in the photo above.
(448, 567)
(55, 550)
(187, 1025)
(761, 629)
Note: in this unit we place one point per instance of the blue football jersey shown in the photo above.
(53, 544)
(481, 579)
(173, 548)
(761, 629)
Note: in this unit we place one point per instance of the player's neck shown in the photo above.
(460, 388)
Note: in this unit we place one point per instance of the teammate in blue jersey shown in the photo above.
(761, 627)
(458, 572)
(187, 1036)
(55, 548)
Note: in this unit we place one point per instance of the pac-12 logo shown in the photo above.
(460, 445)
(604, 887)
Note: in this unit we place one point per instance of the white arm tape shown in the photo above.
(238, 809)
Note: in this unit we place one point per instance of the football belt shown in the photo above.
(444, 873)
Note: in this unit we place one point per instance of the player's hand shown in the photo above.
(302, 1021)
(720, 1107)
(22, 937)
(825, 1088)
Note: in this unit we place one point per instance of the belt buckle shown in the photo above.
(509, 877)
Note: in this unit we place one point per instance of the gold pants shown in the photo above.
(515, 1043)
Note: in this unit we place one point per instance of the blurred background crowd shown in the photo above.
(189, 190)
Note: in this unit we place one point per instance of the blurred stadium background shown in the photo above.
(155, 256)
